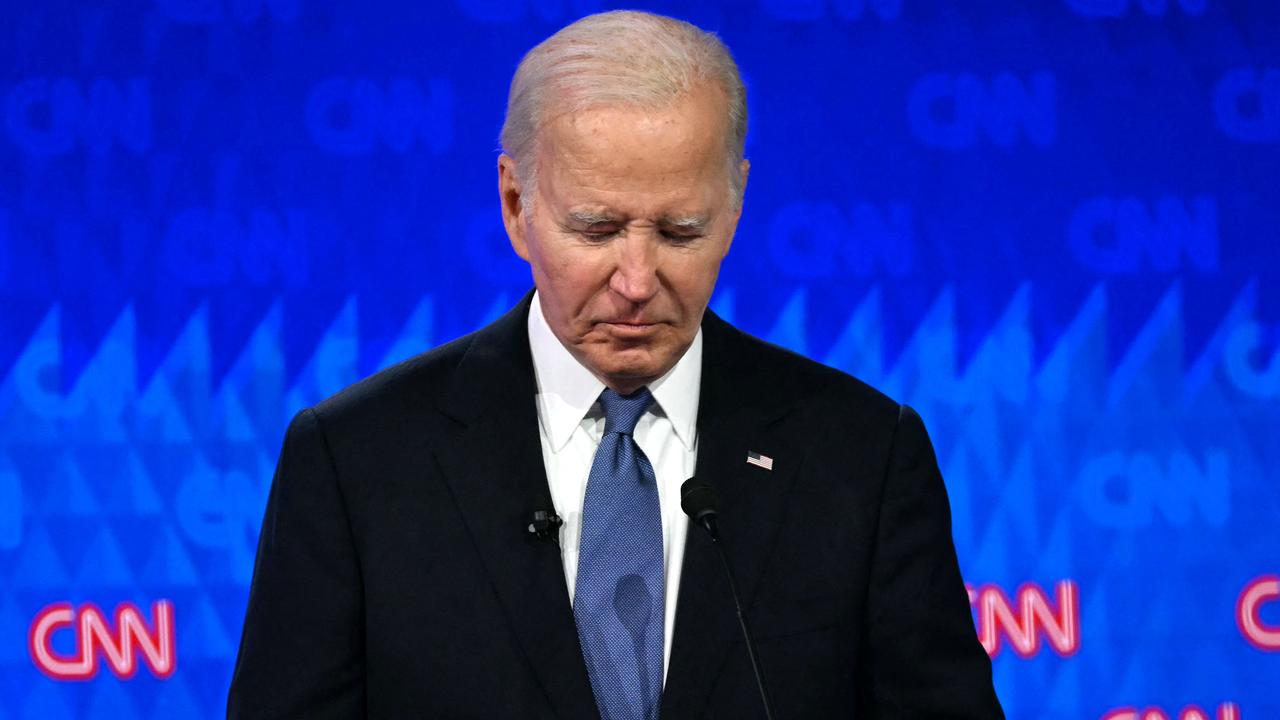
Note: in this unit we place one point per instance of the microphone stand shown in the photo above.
(699, 502)
(746, 631)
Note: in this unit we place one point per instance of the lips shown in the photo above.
(638, 322)
(630, 328)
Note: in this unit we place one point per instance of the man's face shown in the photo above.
(632, 217)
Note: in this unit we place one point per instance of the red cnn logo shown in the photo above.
(1032, 616)
(1226, 711)
(95, 637)
(1261, 590)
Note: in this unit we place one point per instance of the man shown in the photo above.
(397, 574)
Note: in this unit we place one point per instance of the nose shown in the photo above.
(636, 275)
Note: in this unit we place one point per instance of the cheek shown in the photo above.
(693, 278)
(570, 274)
(549, 260)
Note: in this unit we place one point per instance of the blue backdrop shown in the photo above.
(1052, 227)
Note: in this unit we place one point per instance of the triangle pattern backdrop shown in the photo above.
(1053, 228)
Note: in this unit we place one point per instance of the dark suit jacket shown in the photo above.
(396, 579)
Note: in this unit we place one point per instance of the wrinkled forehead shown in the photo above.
(606, 153)
(705, 102)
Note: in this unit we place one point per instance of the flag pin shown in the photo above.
(755, 458)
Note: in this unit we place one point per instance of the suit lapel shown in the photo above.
(739, 402)
(494, 468)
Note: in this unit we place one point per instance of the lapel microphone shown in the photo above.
(544, 525)
(699, 501)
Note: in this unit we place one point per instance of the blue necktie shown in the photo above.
(619, 595)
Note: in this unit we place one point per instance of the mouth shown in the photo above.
(630, 329)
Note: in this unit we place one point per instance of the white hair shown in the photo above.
(622, 57)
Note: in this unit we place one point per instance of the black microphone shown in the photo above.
(699, 501)
(544, 525)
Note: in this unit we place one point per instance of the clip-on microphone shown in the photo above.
(544, 525)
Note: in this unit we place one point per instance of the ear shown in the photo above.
(509, 193)
(745, 169)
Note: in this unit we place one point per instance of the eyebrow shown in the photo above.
(695, 223)
(591, 217)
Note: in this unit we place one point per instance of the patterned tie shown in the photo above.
(619, 595)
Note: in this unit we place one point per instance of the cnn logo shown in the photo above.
(95, 638)
(1025, 618)
(1258, 592)
(1226, 711)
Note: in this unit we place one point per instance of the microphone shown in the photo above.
(544, 525)
(699, 501)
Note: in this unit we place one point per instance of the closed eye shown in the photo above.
(679, 237)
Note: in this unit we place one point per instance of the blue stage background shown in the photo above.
(1052, 227)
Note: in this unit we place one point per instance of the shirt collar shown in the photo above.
(567, 390)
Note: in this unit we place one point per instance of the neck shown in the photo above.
(626, 386)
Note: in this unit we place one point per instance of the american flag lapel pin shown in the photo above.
(763, 461)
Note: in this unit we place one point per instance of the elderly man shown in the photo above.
(410, 565)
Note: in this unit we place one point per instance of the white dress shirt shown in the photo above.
(571, 424)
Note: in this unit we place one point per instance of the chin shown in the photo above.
(633, 364)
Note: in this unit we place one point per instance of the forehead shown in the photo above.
(636, 160)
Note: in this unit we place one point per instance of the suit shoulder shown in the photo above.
(817, 384)
(412, 382)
